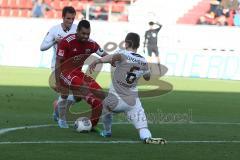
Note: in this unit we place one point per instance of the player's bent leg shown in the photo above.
(105, 133)
(144, 133)
(146, 137)
(158, 60)
(94, 98)
(107, 122)
(72, 99)
(136, 115)
(62, 123)
(96, 105)
(80, 86)
(149, 50)
(55, 110)
(62, 106)
(138, 118)
(96, 89)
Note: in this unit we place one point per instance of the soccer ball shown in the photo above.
(83, 125)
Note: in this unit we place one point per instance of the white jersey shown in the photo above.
(49, 40)
(123, 93)
(126, 75)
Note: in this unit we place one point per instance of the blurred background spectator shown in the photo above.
(204, 12)
(221, 12)
(39, 8)
(236, 20)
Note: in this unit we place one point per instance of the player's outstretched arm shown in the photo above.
(157, 23)
(159, 26)
(112, 58)
(104, 54)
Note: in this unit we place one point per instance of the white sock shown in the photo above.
(107, 121)
(62, 105)
(144, 133)
(71, 98)
(69, 103)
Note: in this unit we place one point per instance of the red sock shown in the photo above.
(96, 105)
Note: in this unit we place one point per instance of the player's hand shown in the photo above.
(92, 66)
(58, 39)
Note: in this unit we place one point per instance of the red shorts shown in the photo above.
(76, 79)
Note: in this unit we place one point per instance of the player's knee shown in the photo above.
(76, 83)
(140, 128)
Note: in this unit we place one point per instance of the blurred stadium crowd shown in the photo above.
(222, 12)
(97, 9)
(207, 12)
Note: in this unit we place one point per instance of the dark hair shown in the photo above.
(151, 23)
(133, 40)
(83, 24)
(68, 9)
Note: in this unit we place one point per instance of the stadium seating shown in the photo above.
(5, 12)
(23, 8)
(4, 3)
(25, 4)
(212, 12)
(14, 4)
(25, 13)
(192, 15)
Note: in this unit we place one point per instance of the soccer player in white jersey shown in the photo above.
(53, 37)
(123, 93)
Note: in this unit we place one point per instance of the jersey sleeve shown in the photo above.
(48, 41)
(119, 51)
(145, 68)
(63, 48)
(158, 29)
(97, 49)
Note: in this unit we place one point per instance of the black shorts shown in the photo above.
(152, 49)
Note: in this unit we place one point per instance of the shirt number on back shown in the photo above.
(131, 76)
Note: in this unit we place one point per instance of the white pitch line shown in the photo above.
(186, 123)
(203, 141)
(114, 142)
(72, 142)
(6, 130)
(215, 123)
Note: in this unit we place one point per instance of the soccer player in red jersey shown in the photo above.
(72, 51)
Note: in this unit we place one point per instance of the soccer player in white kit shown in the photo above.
(53, 37)
(123, 93)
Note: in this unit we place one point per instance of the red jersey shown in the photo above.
(73, 53)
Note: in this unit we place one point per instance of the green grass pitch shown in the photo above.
(200, 118)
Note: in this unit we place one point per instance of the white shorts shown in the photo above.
(135, 114)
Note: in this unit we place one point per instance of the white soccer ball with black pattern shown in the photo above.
(83, 125)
